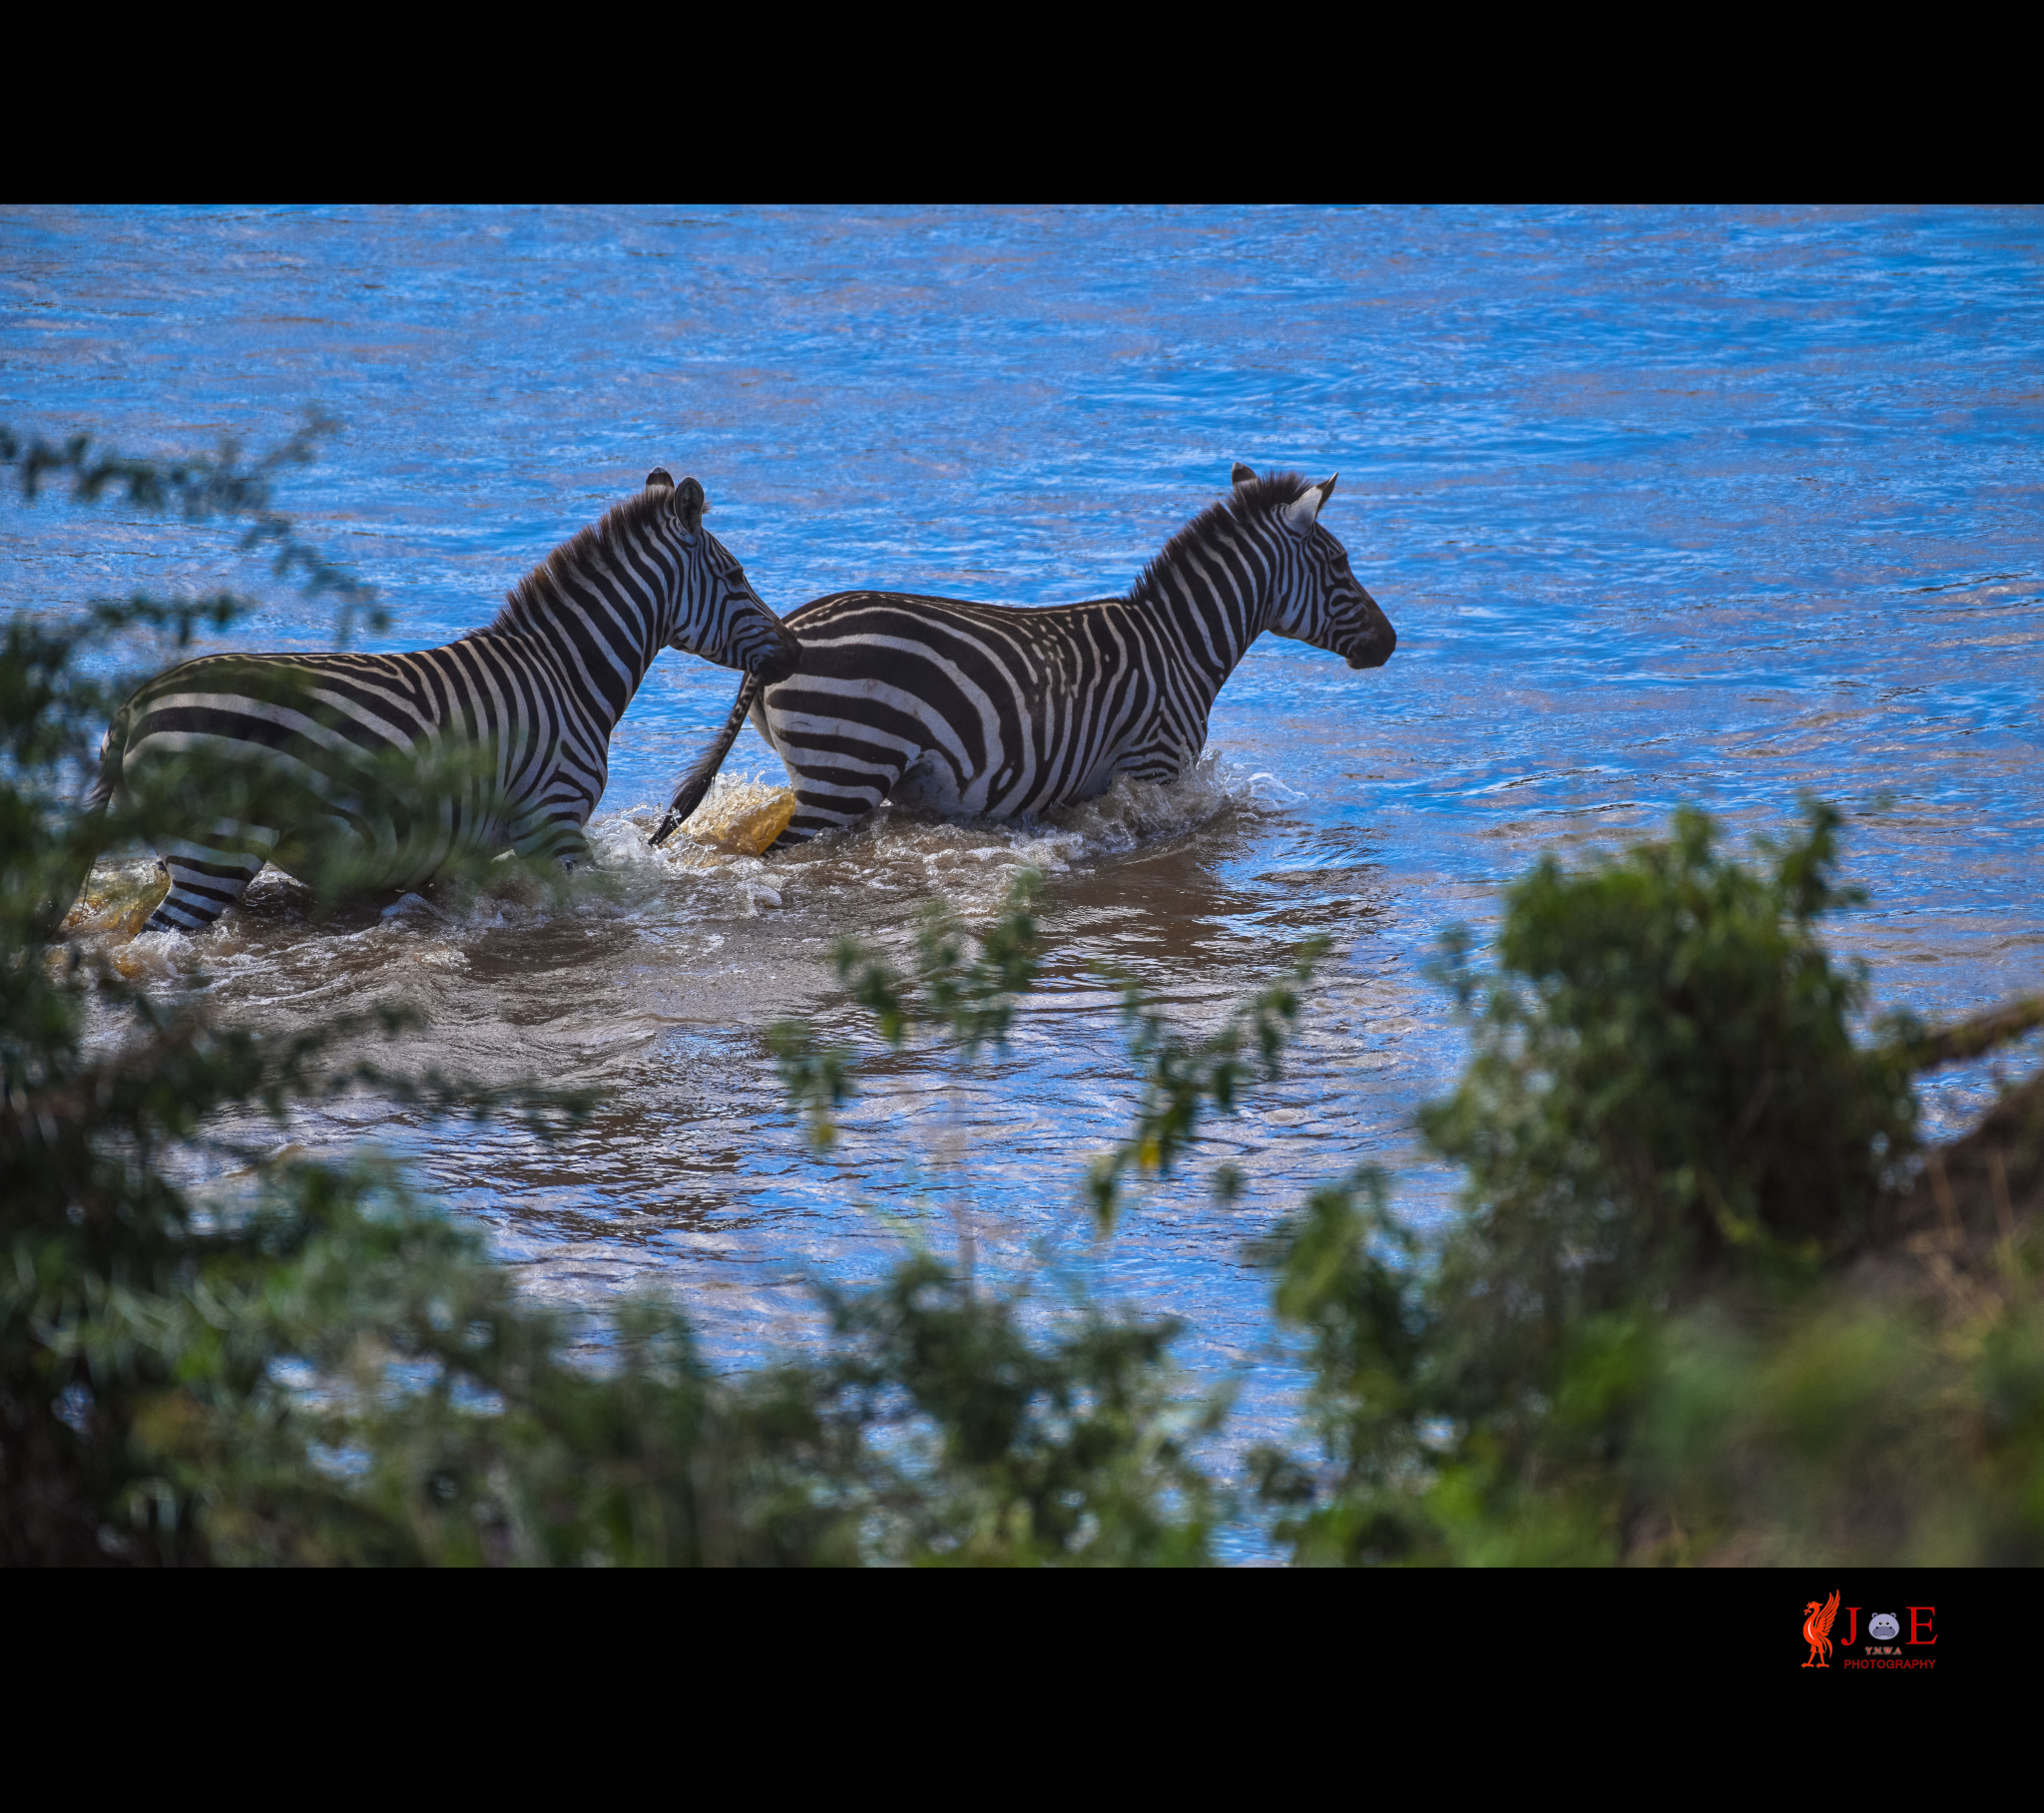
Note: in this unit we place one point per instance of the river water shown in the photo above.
(1665, 506)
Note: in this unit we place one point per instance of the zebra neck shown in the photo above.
(602, 650)
(1214, 598)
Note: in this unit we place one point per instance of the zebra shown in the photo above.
(1003, 711)
(392, 763)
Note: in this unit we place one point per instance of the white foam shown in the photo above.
(273, 948)
(970, 862)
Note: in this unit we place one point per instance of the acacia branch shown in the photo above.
(1970, 1038)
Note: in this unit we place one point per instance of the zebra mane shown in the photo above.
(1257, 497)
(533, 595)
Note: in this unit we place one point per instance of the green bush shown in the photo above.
(1639, 1339)
(1665, 1078)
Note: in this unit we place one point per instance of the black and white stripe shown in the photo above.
(498, 740)
(1004, 712)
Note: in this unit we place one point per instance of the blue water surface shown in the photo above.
(1667, 505)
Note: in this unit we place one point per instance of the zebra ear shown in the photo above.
(1304, 511)
(660, 475)
(1242, 475)
(689, 503)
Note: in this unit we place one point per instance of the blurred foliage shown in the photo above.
(1664, 1076)
(131, 1343)
(999, 1447)
(1013, 1433)
(1688, 1309)
(201, 487)
(944, 996)
(1650, 1334)
(1181, 1075)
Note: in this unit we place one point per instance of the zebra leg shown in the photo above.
(839, 772)
(833, 794)
(541, 834)
(207, 879)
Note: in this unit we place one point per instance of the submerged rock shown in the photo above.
(745, 819)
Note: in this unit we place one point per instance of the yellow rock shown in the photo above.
(744, 819)
(121, 908)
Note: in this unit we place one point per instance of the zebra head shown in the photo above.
(1317, 599)
(718, 614)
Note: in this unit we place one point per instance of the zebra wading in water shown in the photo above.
(499, 740)
(1002, 710)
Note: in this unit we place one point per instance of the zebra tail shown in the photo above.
(696, 784)
(112, 752)
(88, 835)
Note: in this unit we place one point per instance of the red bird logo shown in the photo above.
(1816, 1630)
